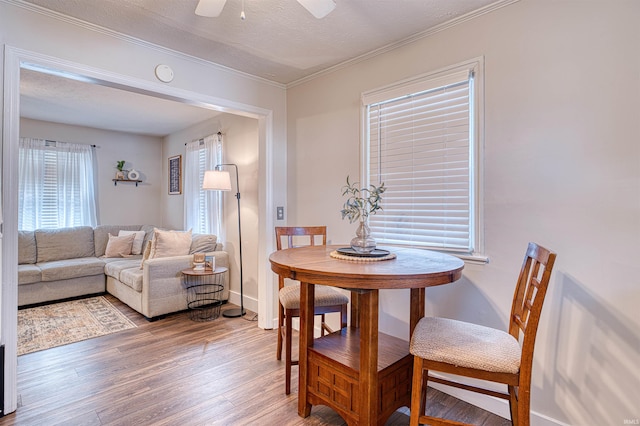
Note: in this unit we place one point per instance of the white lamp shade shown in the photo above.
(217, 180)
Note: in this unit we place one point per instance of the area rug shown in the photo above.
(58, 324)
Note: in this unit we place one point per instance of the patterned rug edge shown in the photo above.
(58, 324)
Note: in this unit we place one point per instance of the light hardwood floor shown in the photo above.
(175, 371)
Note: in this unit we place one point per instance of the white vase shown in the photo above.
(363, 243)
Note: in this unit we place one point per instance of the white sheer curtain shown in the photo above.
(202, 209)
(57, 185)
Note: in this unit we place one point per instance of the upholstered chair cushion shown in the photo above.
(465, 345)
(324, 296)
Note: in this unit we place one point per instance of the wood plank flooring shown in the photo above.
(175, 371)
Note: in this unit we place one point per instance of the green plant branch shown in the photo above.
(361, 202)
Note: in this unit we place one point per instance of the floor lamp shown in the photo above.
(220, 180)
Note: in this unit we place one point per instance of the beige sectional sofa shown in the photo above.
(57, 264)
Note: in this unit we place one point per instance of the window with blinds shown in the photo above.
(49, 212)
(203, 209)
(56, 184)
(203, 213)
(421, 142)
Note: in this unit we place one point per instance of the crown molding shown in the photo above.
(181, 55)
(411, 39)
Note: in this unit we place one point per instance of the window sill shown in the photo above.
(470, 258)
(475, 259)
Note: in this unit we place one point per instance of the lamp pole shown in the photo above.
(234, 313)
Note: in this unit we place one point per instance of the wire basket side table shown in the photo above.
(204, 291)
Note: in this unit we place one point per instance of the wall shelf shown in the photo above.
(115, 181)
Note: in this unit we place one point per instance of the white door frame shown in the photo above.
(14, 59)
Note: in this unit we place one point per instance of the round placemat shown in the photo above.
(337, 255)
(348, 251)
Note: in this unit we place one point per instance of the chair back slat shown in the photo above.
(290, 232)
(521, 325)
(528, 305)
(530, 292)
(312, 232)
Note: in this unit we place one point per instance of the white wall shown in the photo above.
(125, 203)
(562, 168)
(240, 146)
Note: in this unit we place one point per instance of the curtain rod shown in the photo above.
(201, 140)
(91, 145)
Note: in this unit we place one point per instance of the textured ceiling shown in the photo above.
(279, 40)
(61, 100)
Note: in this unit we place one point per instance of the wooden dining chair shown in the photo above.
(327, 300)
(470, 350)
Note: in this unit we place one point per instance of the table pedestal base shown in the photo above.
(333, 376)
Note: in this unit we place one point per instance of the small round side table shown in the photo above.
(204, 291)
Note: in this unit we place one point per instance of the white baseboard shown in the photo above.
(250, 303)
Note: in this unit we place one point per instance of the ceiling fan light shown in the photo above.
(318, 8)
(210, 8)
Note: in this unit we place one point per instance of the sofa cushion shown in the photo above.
(136, 248)
(71, 268)
(132, 277)
(101, 235)
(113, 267)
(119, 246)
(170, 243)
(29, 273)
(64, 243)
(27, 247)
(135, 257)
(202, 243)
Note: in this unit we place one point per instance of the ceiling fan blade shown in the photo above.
(318, 8)
(210, 8)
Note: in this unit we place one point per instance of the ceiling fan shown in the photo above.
(318, 8)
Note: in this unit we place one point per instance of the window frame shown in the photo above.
(48, 185)
(476, 124)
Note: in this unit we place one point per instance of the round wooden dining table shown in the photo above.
(362, 374)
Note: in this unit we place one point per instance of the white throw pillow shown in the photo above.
(170, 243)
(137, 242)
(119, 246)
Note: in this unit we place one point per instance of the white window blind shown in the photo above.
(420, 144)
(56, 184)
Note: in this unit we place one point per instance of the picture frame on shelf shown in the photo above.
(175, 175)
